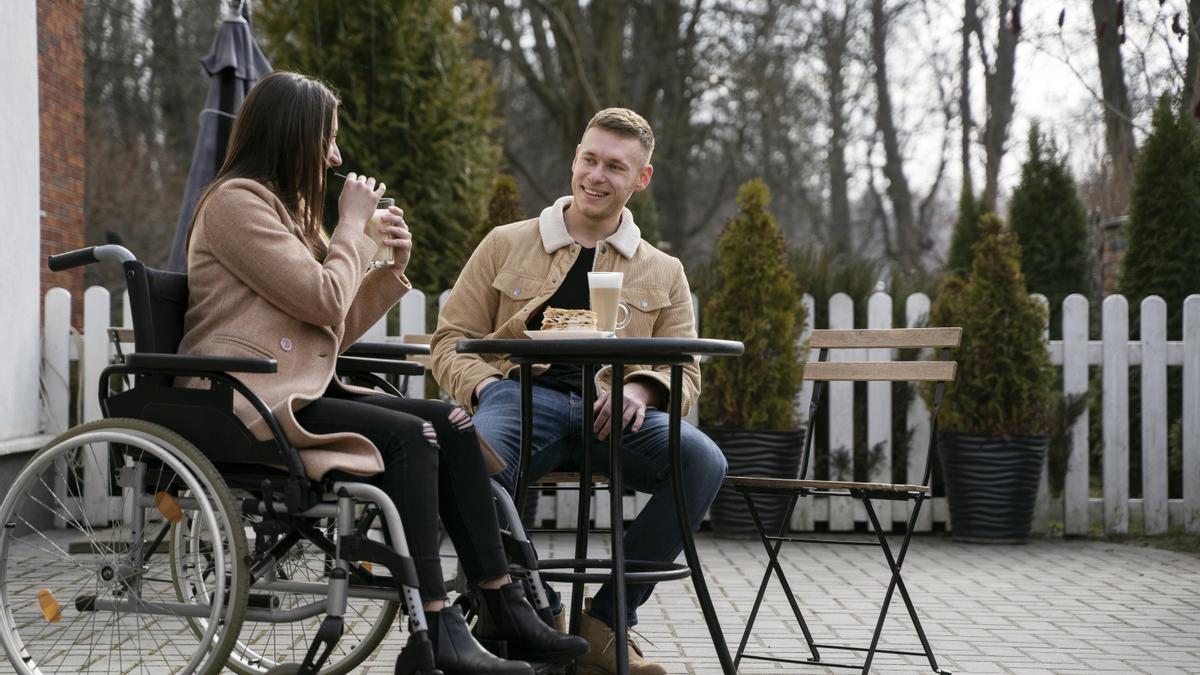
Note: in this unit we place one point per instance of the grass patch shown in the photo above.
(1174, 540)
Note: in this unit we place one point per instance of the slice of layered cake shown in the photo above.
(568, 319)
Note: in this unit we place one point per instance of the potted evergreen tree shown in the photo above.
(996, 416)
(749, 403)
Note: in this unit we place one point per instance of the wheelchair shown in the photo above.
(225, 554)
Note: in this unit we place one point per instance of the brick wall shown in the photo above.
(60, 106)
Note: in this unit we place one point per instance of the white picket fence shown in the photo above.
(1076, 509)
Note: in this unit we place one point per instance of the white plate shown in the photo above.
(567, 334)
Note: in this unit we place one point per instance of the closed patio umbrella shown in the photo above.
(234, 65)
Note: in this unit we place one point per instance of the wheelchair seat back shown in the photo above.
(158, 301)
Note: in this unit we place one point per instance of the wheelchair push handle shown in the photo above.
(89, 255)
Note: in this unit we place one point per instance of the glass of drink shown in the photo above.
(384, 255)
(604, 290)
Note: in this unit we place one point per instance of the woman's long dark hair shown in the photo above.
(281, 138)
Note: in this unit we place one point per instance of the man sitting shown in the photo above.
(517, 272)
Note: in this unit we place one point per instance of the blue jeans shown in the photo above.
(557, 442)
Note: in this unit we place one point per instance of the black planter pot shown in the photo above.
(767, 454)
(991, 485)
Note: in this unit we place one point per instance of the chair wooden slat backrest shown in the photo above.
(885, 338)
(881, 371)
(822, 370)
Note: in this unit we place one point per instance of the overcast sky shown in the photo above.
(1057, 82)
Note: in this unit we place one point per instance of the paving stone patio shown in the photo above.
(1051, 606)
(1047, 607)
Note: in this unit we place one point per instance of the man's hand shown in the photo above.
(638, 397)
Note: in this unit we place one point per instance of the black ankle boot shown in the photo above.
(506, 615)
(455, 650)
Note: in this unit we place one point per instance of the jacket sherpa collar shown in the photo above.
(554, 233)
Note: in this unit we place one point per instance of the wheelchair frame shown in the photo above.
(288, 498)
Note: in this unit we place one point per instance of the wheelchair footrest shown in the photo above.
(359, 548)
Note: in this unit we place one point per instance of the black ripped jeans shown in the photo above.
(432, 465)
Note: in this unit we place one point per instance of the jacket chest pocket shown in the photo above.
(644, 306)
(515, 291)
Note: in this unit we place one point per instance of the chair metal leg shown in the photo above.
(521, 484)
(685, 529)
(617, 528)
(582, 528)
(895, 564)
(762, 591)
(774, 566)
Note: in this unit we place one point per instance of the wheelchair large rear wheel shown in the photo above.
(86, 580)
(266, 643)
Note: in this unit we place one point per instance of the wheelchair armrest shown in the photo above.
(385, 350)
(215, 368)
(191, 364)
(354, 364)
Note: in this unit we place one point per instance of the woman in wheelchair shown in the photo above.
(265, 280)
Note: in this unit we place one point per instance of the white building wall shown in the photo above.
(20, 334)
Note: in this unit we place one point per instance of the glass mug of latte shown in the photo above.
(604, 290)
(384, 255)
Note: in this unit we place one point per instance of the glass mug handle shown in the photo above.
(622, 322)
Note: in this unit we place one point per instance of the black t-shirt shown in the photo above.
(572, 294)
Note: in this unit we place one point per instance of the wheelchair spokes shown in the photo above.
(287, 599)
(84, 593)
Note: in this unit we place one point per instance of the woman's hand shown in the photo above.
(357, 202)
(397, 235)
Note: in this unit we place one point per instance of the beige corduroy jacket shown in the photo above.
(255, 290)
(519, 266)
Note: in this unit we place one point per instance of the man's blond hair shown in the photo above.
(627, 123)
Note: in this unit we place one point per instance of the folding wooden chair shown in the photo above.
(823, 371)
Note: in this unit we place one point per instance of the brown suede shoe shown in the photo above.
(601, 659)
(560, 620)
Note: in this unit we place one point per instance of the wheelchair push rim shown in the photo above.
(109, 605)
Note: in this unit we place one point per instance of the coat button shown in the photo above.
(645, 304)
(603, 249)
(285, 344)
(516, 292)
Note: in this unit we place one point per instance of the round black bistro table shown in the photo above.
(590, 354)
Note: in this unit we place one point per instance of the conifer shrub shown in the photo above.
(966, 233)
(417, 111)
(504, 207)
(1051, 224)
(754, 300)
(1005, 383)
(1162, 249)
(1163, 231)
(645, 214)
